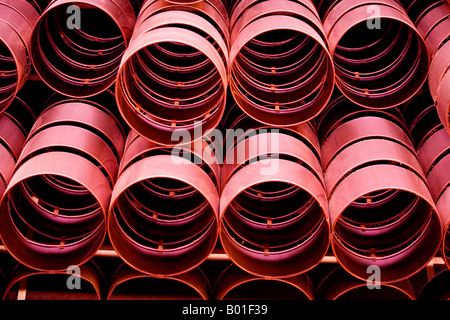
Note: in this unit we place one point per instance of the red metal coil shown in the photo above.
(14, 127)
(433, 151)
(173, 77)
(128, 283)
(376, 67)
(273, 207)
(45, 285)
(83, 60)
(340, 285)
(163, 213)
(54, 208)
(17, 19)
(432, 19)
(281, 71)
(381, 210)
(234, 283)
(439, 83)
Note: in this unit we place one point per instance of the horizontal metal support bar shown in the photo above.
(218, 255)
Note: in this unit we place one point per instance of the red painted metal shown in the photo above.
(381, 210)
(54, 208)
(17, 19)
(273, 206)
(173, 77)
(433, 146)
(437, 288)
(163, 213)
(340, 285)
(281, 72)
(14, 127)
(375, 68)
(81, 62)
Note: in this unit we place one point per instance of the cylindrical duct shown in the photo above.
(87, 280)
(130, 284)
(432, 19)
(340, 285)
(381, 60)
(234, 283)
(281, 71)
(17, 19)
(163, 213)
(273, 206)
(173, 78)
(15, 123)
(77, 45)
(433, 150)
(439, 83)
(381, 211)
(53, 212)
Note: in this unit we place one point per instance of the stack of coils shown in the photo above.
(381, 60)
(381, 210)
(53, 212)
(17, 19)
(432, 143)
(281, 71)
(173, 77)
(77, 45)
(234, 283)
(127, 282)
(163, 215)
(273, 206)
(340, 285)
(432, 19)
(15, 123)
